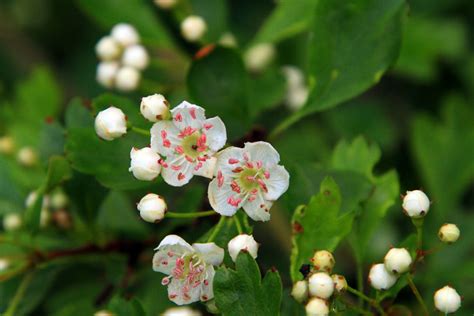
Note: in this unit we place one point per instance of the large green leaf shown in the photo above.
(242, 292)
(319, 225)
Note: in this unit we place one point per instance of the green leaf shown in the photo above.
(319, 225)
(241, 292)
(122, 307)
(52, 140)
(139, 13)
(267, 90)
(219, 83)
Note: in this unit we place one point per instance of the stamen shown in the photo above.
(262, 185)
(208, 126)
(266, 174)
(238, 169)
(178, 117)
(233, 161)
(181, 176)
(220, 179)
(176, 167)
(192, 112)
(179, 149)
(163, 163)
(235, 187)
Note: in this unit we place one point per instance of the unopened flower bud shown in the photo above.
(380, 278)
(59, 200)
(228, 40)
(111, 123)
(152, 208)
(4, 264)
(45, 217)
(340, 283)
(416, 204)
(144, 164)
(447, 300)
(193, 28)
(323, 260)
(6, 145)
(12, 221)
(321, 285)
(27, 156)
(317, 307)
(242, 242)
(449, 233)
(104, 313)
(107, 48)
(106, 73)
(125, 34)
(155, 108)
(300, 291)
(31, 199)
(397, 260)
(166, 4)
(258, 57)
(135, 56)
(181, 311)
(127, 79)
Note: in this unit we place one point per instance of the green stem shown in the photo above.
(369, 300)
(25, 282)
(360, 279)
(418, 222)
(415, 291)
(190, 215)
(140, 131)
(217, 229)
(355, 308)
(237, 224)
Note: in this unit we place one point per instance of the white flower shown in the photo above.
(155, 108)
(193, 28)
(380, 278)
(6, 145)
(447, 300)
(4, 264)
(12, 221)
(166, 4)
(127, 79)
(107, 48)
(258, 57)
(125, 34)
(242, 242)
(110, 123)
(144, 163)
(250, 178)
(190, 269)
(317, 307)
(340, 283)
(188, 141)
(416, 203)
(449, 233)
(321, 285)
(27, 156)
(397, 260)
(135, 56)
(300, 291)
(106, 73)
(323, 260)
(152, 208)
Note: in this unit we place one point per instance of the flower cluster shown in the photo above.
(122, 58)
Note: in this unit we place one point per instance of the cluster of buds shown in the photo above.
(122, 58)
(319, 285)
(296, 89)
(383, 276)
(26, 156)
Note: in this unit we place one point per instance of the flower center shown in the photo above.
(248, 178)
(194, 144)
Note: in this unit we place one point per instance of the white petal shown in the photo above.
(258, 209)
(210, 252)
(157, 139)
(187, 114)
(207, 291)
(278, 182)
(218, 198)
(177, 178)
(176, 293)
(174, 240)
(262, 151)
(223, 157)
(216, 133)
(170, 248)
(208, 168)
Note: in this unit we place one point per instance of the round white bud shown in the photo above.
(193, 28)
(300, 291)
(397, 260)
(323, 260)
(340, 283)
(380, 278)
(155, 108)
(12, 221)
(242, 242)
(258, 57)
(317, 307)
(293, 75)
(110, 123)
(449, 233)
(416, 203)
(104, 313)
(228, 40)
(27, 156)
(447, 300)
(125, 34)
(6, 145)
(106, 73)
(296, 98)
(321, 285)
(135, 56)
(181, 311)
(144, 164)
(127, 79)
(152, 208)
(166, 4)
(4, 264)
(59, 200)
(107, 48)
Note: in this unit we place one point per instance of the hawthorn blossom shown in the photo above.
(250, 178)
(188, 141)
(190, 269)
